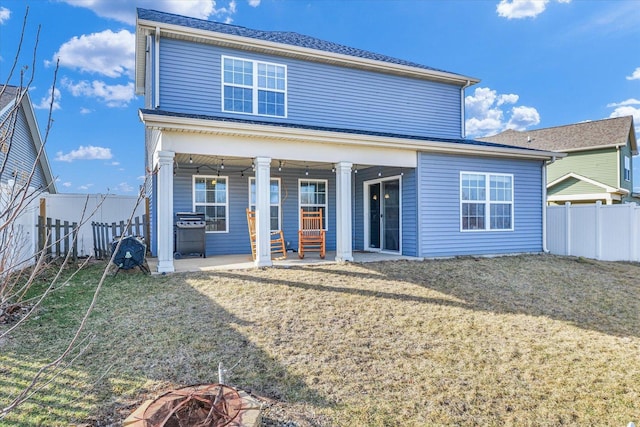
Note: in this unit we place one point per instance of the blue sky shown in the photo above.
(541, 63)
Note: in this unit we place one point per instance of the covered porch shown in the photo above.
(222, 171)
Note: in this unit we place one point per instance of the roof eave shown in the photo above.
(188, 124)
(247, 43)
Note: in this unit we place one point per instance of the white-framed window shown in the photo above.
(486, 201)
(274, 201)
(211, 196)
(254, 87)
(313, 197)
(627, 168)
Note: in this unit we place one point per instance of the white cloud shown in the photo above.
(124, 11)
(89, 152)
(107, 53)
(111, 95)
(523, 117)
(66, 184)
(517, 9)
(45, 102)
(85, 110)
(486, 113)
(124, 187)
(5, 14)
(85, 187)
(630, 101)
(635, 75)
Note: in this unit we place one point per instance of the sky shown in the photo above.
(541, 63)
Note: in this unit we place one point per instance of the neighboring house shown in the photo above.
(24, 175)
(279, 122)
(599, 162)
(22, 155)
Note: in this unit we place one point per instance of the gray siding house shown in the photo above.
(23, 159)
(237, 118)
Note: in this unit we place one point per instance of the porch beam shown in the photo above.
(164, 195)
(263, 212)
(344, 250)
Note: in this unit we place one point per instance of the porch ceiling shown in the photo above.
(188, 160)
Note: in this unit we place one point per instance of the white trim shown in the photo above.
(593, 182)
(367, 218)
(627, 168)
(255, 87)
(488, 202)
(607, 197)
(252, 130)
(279, 204)
(326, 200)
(213, 204)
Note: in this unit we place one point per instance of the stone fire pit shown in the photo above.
(208, 405)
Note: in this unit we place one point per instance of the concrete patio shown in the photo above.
(244, 261)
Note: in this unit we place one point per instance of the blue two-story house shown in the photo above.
(277, 122)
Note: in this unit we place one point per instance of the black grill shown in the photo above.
(190, 236)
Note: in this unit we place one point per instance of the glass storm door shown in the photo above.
(384, 216)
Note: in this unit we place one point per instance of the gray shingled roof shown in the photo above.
(284, 37)
(597, 133)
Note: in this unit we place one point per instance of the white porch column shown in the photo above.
(164, 218)
(263, 212)
(343, 212)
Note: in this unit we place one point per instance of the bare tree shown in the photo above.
(19, 271)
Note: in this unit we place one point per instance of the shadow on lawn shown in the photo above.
(152, 336)
(593, 295)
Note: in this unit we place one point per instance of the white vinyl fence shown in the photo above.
(603, 232)
(99, 208)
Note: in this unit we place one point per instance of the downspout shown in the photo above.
(544, 203)
(462, 112)
(156, 67)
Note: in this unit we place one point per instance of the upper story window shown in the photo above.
(254, 87)
(627, 168)
(486, 201)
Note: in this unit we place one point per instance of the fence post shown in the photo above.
(567, 224)
(598, 229)
(633, 230)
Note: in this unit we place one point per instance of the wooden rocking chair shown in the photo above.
(311, 236)
(278, 245)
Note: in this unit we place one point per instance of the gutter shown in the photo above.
(462, 111)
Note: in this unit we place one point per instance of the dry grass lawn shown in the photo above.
(525, 340)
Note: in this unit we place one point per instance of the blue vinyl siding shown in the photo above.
(439, 207)
(409, 206)
(236, 241)
(318, 94)
(22, 155)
